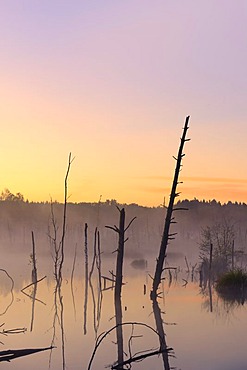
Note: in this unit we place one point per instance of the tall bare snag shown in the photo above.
(169, 215)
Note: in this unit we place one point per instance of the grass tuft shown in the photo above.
(232, 286)
(233, 278)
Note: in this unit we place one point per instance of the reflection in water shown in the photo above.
(32, 296)
(118, 287)
(58, 260)
(207, 291)
(234, 296)
(34, 283)
(13, 354)
(33, 305)
(98, 265)
(97, 301)
(180, 304)
(206, 282)
(132, 358)
(120, 230)
(160, 330)
(119, 331)
(224, 302)
(118, 310)
(58, 317)
(5, 332)
(232, 286)
(231, 296)
(11, 292)
(210, 295)
(71, 282)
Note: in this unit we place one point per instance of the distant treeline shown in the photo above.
(18, 217)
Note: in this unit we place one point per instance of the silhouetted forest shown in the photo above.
(19, 217)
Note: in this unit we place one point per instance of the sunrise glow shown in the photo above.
(112, 82)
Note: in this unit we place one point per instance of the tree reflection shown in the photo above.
(15, 353)
(11, 292)
(160, 330)
(34, 283)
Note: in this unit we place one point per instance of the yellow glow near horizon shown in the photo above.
(129, 190)
(113, 84)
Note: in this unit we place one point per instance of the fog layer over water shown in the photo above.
(200, 339)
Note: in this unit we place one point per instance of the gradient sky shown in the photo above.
(112, 81)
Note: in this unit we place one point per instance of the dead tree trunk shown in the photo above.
(118, 286)
(120, 255)
(119, 282)
(169, 215)
(86, 279)
(34, 270)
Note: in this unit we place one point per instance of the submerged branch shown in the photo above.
(141, 357)
(33, 283)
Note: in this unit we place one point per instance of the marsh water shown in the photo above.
(201, 330)
(204, 332)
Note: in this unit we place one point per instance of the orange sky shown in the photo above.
(113, 84)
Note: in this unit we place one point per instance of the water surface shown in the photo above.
(200, 339)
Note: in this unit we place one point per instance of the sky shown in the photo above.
(112, 82)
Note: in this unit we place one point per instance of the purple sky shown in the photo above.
(112, 81)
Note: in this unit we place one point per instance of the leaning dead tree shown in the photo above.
(167, 236)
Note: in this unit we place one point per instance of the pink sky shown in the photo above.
(112, 82)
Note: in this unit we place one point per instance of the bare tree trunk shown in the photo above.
(58, 268)
(118, 287)
(169, 219)
(34, 270)
(86, 279)
(61, 246)
(120, 255)
(119, 281)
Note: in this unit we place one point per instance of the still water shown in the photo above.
(203, 333)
